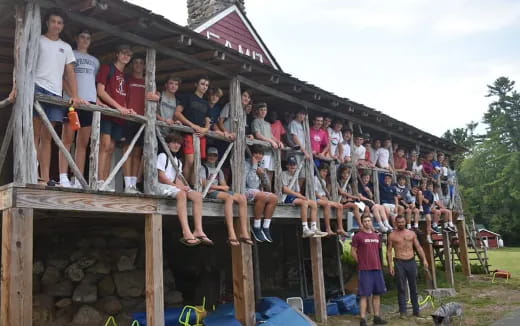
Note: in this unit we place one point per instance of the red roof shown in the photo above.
(231, 28)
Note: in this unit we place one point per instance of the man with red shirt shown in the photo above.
(112, 90)
(135, 101)
(400, 164)
(319, 138)
(365, 250)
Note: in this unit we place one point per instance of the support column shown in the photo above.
(28, 31)
(150, 139)
(17, 266)
(154, 270)
(242, 256)
(448, 266)
(318, 283)
(463, 247)
(431, 278)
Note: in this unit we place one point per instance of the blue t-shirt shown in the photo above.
(362, 191)
(196, 109)
(428, 195)
(214, 113)
(387, 194)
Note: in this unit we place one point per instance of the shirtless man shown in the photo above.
(403, 242)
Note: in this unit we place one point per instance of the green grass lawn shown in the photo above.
(505, 258)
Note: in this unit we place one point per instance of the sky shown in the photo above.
(425, 62)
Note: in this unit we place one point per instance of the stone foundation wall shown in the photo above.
(200, 10)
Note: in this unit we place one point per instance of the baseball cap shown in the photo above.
(212, 150)
(291, 160)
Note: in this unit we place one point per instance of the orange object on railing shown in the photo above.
(73, 119)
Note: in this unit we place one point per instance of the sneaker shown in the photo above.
(363, 322)
(421, 209)
(131, 190)
(267, 234)
(379, 321)
(429, 239)
(409, 226)
(416, 226)
(436, 229)
(383, 229)
(77, 185)
(449, 228)
(65, 184)
(258, 234)
(388, 226)
(307, 233)
(319, 233)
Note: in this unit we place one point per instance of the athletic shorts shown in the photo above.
(371, 283)
(289, 199)
(427, 209)
(251, 193)
(392, 208)
(55, 113)
(112, 128)
(85, 117)
(130, 130)
(267, 162)
(167, 190)
(188, 146)
(214, 194)
(368, 203)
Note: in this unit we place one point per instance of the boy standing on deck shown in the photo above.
(112, 90)
(296, 198)
(54, 69)
(365, 250)
(86, 68)
(193, 111)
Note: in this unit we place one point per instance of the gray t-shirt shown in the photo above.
(286, 180)
(296, 128)
(318, 187)
(211, 170)
(225, 114)
(167, 106)
(264, 128)
(252, 180)
(86, 68)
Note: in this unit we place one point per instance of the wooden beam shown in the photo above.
(154, 270)
(278, 174)
(448, 266)
(8, 136)
(61, 147)
(94, 150)
(17, 266)
(151, 178)
(431, 278)
(463, 247)
(28, 32)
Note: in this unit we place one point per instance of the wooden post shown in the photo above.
(463, 247)
(196, 163)
(375, 182)
(154, 270)
(27, 35)
(448, 267)
(6, 141)
(17, 266)
(242, 256)
(278, 174)
(94, 150)
(150, 139)
(318, 283)
(333, 183)
(57, 140)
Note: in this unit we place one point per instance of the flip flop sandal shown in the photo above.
(187, 242)
(206, 241)
(233, 242)
(341, 232)
(247, 241)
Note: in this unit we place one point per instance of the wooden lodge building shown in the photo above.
(222, 44)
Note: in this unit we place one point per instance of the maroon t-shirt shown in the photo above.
(367, 245)
(135, 97)
(116, 87)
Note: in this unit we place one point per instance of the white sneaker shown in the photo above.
(429, 239)
(66, 184)
(307, 233)
(388, 226)
(416, 226)
(383, 228)
(319, 233)
(408, 226)
(131, 190)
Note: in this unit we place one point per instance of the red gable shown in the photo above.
(232, 29)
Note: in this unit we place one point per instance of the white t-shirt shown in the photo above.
(383, 156)
(417, 168)
(168, 169)
(318, 187)
(358, 152)
(346, 149)
(373, 157)
(286, 180)
(296, 128)
(335, 138)
(52, 58)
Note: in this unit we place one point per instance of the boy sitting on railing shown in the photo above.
(322, 189)
(170, 185)
(261, 130)
(193, 111)
(291, 189)
(407, 203)
(366, 194)
(389, 199)
(265, 202)
(439, 209)
(220, 190)
(348, 200)
(428, 202)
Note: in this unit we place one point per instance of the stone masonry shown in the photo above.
(201, 10)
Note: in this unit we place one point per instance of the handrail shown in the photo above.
(188, 130)
(90, 107)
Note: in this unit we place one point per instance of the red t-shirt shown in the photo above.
(277, 130)
(135, 97)
(399, 162)
(367, 245)
(319, 140)
(427, 167)
(116, 87)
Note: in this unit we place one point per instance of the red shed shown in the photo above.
(231, 28)
(490, 238)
